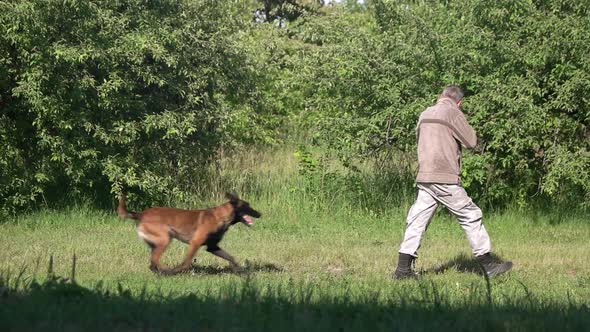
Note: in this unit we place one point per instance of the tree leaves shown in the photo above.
(110, 93)
(523, 65)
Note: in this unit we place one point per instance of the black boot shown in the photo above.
(492, 268)
(404, 267)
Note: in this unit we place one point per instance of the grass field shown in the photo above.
(313, 262)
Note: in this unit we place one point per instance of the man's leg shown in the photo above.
(469, 215)
(417, 222)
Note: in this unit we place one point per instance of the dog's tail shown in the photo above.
(122, 210)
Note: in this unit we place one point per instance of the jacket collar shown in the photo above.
(446, 100)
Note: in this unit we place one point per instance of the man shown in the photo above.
(442, 130)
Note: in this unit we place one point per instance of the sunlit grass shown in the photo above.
(315, 257)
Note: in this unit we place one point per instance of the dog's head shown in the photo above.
(242, 210)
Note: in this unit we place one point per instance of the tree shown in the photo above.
(522, 64)
(96, 95)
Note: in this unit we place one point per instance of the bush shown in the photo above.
(99, 94)
(523, 65)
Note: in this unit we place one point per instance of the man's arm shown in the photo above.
(463, 132)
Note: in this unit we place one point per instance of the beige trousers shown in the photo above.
(456, 200)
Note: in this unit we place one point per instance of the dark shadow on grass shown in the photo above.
(62, 305)
(462, 263)
(249, 267)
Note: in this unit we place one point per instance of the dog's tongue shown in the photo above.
(247, 220)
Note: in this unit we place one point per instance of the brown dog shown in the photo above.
(159, 225)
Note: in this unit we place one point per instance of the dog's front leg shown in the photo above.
(223, 254)
(194, 245)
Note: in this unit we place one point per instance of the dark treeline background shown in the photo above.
(97, 95)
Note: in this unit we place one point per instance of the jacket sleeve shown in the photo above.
(463, 132)
(418, 129)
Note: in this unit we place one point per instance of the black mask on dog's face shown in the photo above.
(242, 210)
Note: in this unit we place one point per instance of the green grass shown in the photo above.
(317, 260)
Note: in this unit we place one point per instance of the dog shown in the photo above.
(157, 226)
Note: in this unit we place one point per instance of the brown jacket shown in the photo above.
(442, 130)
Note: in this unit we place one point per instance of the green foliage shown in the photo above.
(279, 11)
(99, 94)
(522, 63)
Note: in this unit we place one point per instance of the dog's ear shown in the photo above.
(233, 198)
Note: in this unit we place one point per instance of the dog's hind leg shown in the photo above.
(158, 244)
(157, 251)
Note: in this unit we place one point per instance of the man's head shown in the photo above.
(453, 92)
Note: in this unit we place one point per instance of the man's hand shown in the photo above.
(480, 147)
